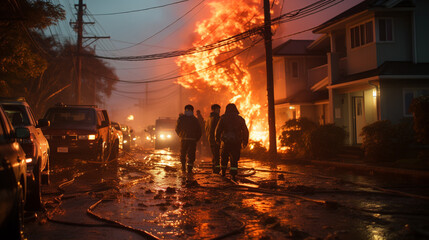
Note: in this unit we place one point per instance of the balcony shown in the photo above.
(317, 74)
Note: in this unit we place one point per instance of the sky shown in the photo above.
(159, 30)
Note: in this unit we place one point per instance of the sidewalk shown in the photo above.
(375, 168)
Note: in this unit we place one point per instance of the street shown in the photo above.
(144, 195)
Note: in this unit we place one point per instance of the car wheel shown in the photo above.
(100, 153)
(14, 228)
(46, 174)
(34, 197)
(115, 151)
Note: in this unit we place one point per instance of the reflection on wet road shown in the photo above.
(146, 191)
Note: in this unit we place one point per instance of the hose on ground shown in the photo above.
(90, 212)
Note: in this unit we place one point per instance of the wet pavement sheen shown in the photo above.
(146, 190)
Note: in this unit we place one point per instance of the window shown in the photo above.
(409, 95)
(385, 29)
(361, 35)
(294, 69)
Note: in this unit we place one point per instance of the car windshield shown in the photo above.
(71, 116)
(17, 115)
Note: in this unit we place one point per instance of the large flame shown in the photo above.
(229, 77)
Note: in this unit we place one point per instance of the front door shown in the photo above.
(358, 118)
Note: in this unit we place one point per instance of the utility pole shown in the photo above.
(79, 50)
(78, 26)
(270, 78)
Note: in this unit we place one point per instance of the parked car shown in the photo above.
(13, 181)
(80, 131)
(35, 146)
(118, 131)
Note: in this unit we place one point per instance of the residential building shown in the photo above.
(293, 99)
(377, 62)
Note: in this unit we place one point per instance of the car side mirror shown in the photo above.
(22, 133)
(43, 123)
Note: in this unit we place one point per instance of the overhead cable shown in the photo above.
(287, 17)
(139, 10)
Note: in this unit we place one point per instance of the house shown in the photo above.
(377, 61)
(292, 95)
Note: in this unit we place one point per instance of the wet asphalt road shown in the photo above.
(145, 192)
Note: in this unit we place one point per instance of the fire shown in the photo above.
(229, 79)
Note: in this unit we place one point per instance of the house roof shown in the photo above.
(305, 96)
(291, 47)
(363, 6)
(390, 69)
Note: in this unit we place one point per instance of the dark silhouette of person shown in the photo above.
(211, 125)
(200, 143)
(188, 129)
(232, 134)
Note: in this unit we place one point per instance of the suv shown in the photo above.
(36, 147)
(13, 183)
(81, 130)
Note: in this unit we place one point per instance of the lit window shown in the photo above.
(361, 35)
(385, 29)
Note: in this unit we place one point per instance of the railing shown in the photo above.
(316, 74)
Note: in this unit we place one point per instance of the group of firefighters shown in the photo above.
(226, 134)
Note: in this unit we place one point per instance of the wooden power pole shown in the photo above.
(270, 78)
(79, 26)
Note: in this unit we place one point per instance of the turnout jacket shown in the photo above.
(188, 128)
(211, 124)
(232, 129)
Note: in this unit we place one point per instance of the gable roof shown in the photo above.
(291, 47)
(363, 6)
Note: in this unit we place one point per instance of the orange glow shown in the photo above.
(229, 80)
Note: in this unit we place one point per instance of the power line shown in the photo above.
(138, 10)
(169, 25)
(291, 16)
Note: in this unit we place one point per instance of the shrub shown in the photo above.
(326, 140)
(295, 134)
(379, 141)
(420, 109)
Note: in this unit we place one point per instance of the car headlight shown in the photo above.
(169, 136)
(162, 136)
(87, 137)
(125, 141)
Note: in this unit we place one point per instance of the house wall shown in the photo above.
(392, 97)
(400, 49)
(279, 79)
(363, 58)
(422, 33)
(310, 112)
(370, 103)
(295, 84)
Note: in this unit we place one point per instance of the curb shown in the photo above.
(369, 168)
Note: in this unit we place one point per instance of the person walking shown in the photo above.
(200, 143)
(232, 134)
(188, 129)
(210, 132)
